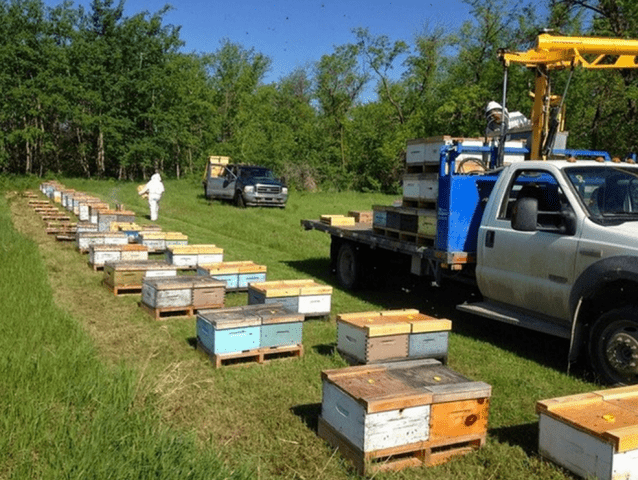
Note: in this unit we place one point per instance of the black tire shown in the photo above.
(613, 346)
(239, 200)
(348, 267)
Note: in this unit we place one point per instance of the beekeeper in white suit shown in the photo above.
(154, 189)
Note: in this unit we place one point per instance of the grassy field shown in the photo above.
(151, 402)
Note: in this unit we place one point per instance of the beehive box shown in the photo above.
(193, 255)
(594, 435)
(120, 275)
(249, 327)
(86, 227)
(100, 254)
(85, 239)
(84, 209)
(421, 186)
(337, 220)
(279, 326)
(95, 209)
(167, 292)
(303, 296)
(228, 330)
(155, 241)
(236, 275)
(369, 337)
(175, 239)
(402, 413)
(361, 216)
(105, 217)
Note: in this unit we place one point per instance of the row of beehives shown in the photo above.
(402, 409)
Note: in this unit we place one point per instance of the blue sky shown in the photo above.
(296, 33)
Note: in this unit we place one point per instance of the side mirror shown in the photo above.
(569, 221)
(525, 214)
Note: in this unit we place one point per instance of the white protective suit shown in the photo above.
(154, 188)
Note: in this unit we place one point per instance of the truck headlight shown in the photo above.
(249, 188)
(284, 190)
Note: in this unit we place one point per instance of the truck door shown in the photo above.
(530, 270)
(222, 186)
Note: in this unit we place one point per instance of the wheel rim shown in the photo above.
(621, 347)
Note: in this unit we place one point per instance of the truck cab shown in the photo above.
(245, 185)
(557, 251)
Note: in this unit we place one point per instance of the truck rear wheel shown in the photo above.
(613, 346)
(348, 266)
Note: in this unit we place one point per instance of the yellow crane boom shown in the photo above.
(558, 52)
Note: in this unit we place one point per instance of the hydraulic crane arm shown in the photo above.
(555, 52)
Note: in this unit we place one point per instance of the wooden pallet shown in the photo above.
(169, 312)
(247, 357)
(421, 168)
(56, 217)
(351, 360)
(420, 203)
(409, 237)
(426, 453)
(123, 289)
(65, 238)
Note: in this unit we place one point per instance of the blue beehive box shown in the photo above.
(228, 330)
(279, 325)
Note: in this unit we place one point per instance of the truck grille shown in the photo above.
(268, 189)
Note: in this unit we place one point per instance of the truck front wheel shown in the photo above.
(239, 200)
(348, 266)
(613, 346)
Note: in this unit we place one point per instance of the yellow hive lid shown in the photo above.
(175, 236)
(289, 288)
(195, 249)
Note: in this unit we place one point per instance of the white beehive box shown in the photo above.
(594, 435)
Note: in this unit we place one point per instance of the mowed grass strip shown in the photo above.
(63, 412)
(267, 415)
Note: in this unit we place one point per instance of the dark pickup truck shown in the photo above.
(245, 185)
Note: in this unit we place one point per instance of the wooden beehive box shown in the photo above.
(94, 209)
(594, 435)
(131, 274)
(279, 326)
(421, 186)
(370, 337)
(175, 239)
(167, 292)
(84, 208)
(105, 217)
(86, 227)
(236, 275)
(337, 220)
(155, 241)
(303, 296)
(207, 292)
(85, 239)
(100, 254)
(361, 216)
(193, 255)
(402, 413)
(228, 330)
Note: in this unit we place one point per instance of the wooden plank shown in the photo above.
(259, 355)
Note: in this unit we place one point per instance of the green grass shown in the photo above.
(262, 418)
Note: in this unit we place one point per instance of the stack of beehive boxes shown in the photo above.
(181, 295)
(393, 415)
(194, 255)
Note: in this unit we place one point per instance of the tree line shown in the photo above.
(94, 93)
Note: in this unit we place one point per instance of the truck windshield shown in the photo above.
(257, 172)
(608, 192)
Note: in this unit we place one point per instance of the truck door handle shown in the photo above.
(489, 239)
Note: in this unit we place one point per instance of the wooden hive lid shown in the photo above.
(392, 386)
(176, 236)
(169, 283)
(233, 317)
(290, 288)
(134, 247)
(201, 281)
(611, 415)
(377, 324)
(195, 249)
(152, 235)
(273, 313)
(139, 265)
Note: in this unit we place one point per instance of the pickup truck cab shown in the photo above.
(557, 251)
(245, 185)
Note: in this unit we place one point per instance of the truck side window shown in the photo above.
(542, 186)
